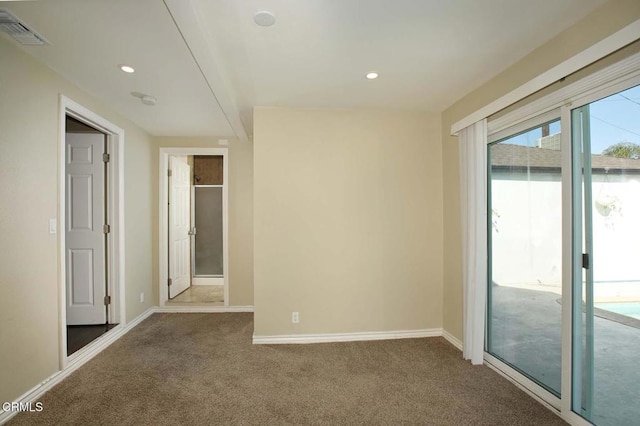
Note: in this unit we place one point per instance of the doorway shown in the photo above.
(90, 236)
(88, 295)
(193, 220)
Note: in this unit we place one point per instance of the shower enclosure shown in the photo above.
(207, 220)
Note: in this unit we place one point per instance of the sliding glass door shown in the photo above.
(606, 259)
(525, 253)
(563, 246)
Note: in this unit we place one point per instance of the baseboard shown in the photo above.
(452, 339)
(74, 362)
(207, 281)
(345, 337)
(202, 309)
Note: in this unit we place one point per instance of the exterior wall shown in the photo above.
(527, 229)
(29, 310)
(348, 221)
(603, 22)
(527, 234)
(615, 239)
(240, 213)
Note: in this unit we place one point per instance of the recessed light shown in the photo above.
(264, 18)
(372, 75)
(127, 68)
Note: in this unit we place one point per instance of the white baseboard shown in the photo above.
(207, 281)
(202, 309)
(74, 362)
(345, 337)
(452, 339)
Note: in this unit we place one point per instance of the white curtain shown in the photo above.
(473, 183)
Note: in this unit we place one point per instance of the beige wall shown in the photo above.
(348, 221)
(240, 213)
(29, 121)
(604, 21)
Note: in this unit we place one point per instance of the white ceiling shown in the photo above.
(89, 38)
(429, 53)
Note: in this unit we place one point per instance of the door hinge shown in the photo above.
(106, 157)
(170, 282)
(585, 260)
(106, 228)
(169, 172)
(107, 300)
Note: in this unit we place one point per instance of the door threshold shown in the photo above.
(79, 336)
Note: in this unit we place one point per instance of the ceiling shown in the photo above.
(90, 38)
(209, 64)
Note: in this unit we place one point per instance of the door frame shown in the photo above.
(163, 180)
(115, 265)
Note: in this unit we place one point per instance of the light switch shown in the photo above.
(53, 226)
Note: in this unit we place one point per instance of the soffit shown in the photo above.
(90, 38)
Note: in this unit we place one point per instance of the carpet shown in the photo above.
(202, 369)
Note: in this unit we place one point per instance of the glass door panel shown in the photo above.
(606, 270)
(208, 259)
(525, 253)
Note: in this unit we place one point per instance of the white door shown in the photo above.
(179, 223)
(85, 220)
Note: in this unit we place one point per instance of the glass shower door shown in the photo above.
(208, 222)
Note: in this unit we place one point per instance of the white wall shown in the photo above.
(616, 251)
(526, 236)
(527, 229)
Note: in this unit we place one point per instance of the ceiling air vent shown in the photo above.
(11, 25)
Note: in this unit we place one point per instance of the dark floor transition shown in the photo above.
(79, 336)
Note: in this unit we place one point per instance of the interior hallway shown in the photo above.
(210, 294)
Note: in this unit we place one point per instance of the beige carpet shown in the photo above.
(201, 369)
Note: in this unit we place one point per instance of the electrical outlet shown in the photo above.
(295, 317)
(142, 297)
